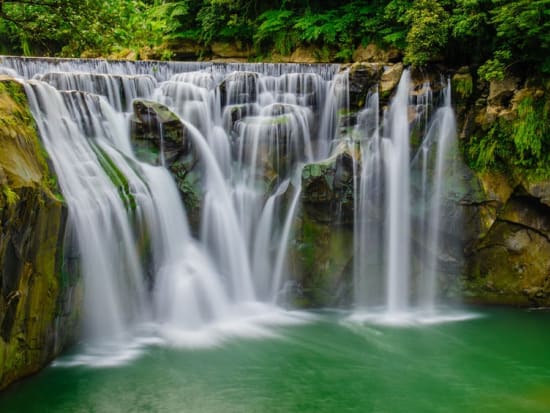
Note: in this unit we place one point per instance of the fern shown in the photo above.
(275, 30)
(531, 130)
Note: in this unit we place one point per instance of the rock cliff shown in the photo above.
(36, 291)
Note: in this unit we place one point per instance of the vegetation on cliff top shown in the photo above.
(490, 34)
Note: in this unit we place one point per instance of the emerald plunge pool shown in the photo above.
(497, 362)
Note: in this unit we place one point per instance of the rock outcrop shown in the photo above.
(38, 294)
(158, 135)
(508, 253)
(322, 250)
(508, 246)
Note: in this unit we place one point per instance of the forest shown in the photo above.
(491, 35)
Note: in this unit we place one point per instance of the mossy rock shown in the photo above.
(321, 256)
(154, 127)
(38, 303)
(327, 188)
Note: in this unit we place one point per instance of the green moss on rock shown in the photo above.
(35, 304)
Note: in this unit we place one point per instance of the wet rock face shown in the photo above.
(155, 128)
(321, 261)
(507, 244)
(327, 189)
(363, 77)
(321, 253)
(39, 295)
(508, 256)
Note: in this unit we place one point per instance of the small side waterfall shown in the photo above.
(393, 212)
(396, 152)
(442, 135)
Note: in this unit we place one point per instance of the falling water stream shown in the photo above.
(389, 215)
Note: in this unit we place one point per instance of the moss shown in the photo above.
(23, 154)
(463, 85)
(518, 144)
(322, 253)
(117, 178)
(33, 316)
(11, 197)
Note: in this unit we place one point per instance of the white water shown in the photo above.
(389, 217)
(114, 279)
(203, 290)
(442, 135)
(273, 119)
(396, 153)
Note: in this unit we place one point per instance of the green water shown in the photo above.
(497, 363)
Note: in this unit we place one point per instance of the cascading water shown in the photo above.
(98, 215)
(251, 130)
(391, 214)
(252, 127)
(442, 135)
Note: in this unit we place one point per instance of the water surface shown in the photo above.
(498, 362)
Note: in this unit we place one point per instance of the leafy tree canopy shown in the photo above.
(493, 35)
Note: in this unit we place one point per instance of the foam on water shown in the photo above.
(410, 318)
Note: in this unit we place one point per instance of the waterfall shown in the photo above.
(393, 211)
(396, 152)
(114, 279)
(252, 127)
(442, 135)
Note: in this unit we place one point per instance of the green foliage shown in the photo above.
(524, 25)
(275, 30)
(492, 35)
(463, 86)
(488, 152)
(10, 195)
(493, 69)
(395, 28)
(428, 32)
(469, 18)
(522, 145)
(531, 134)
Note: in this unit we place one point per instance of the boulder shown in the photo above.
(363, 77)
(327, 188)
(184, 49)
(539, 189)
(154, 127)
(149, 121)
(510, 265)
(502, 91)
(321, 253)
(304, 55)
(390, 79)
